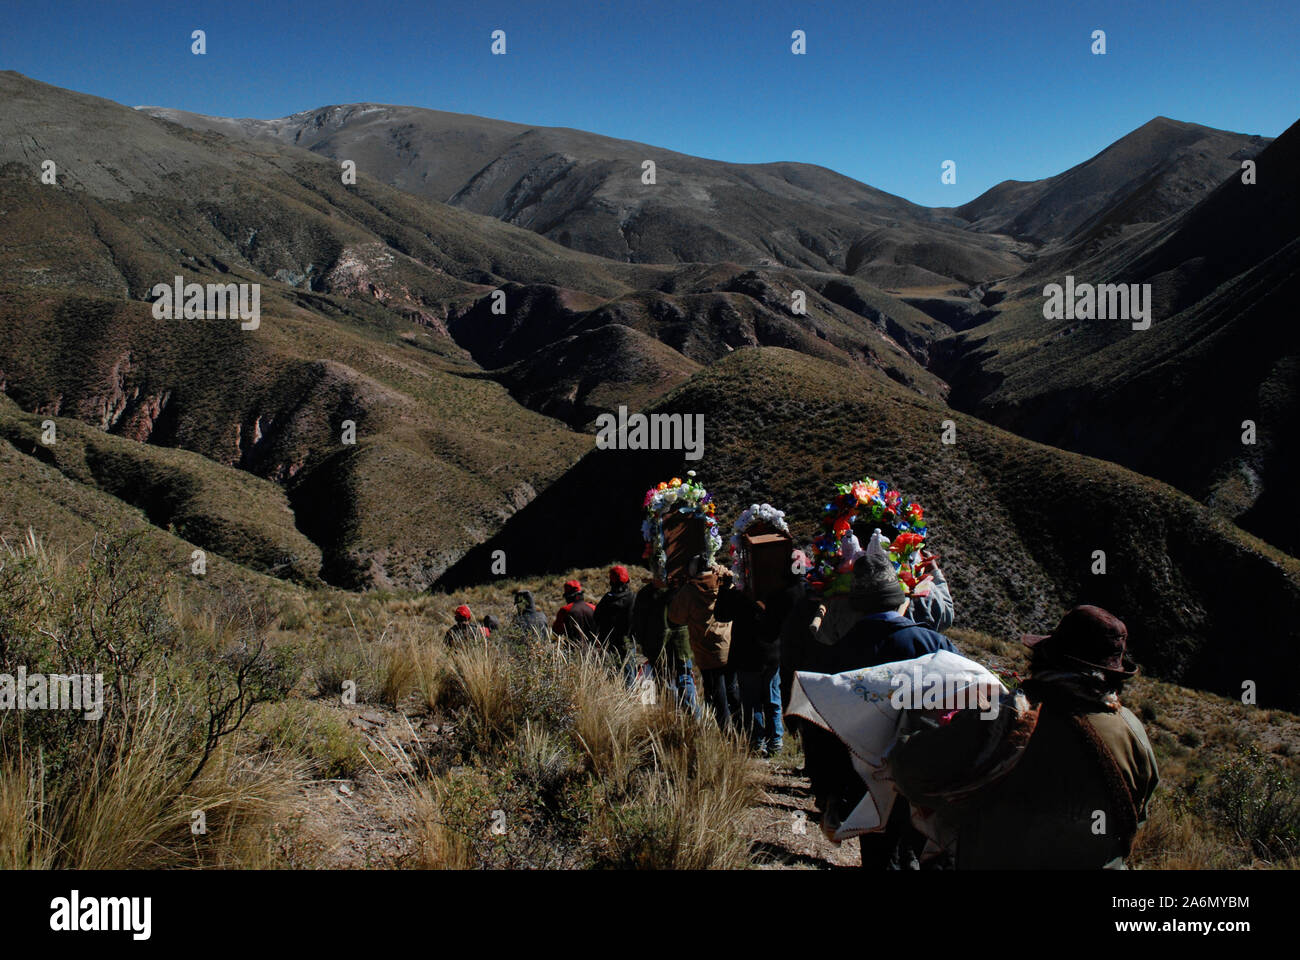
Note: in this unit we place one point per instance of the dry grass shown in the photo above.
(611, 725)
(133, 816)
(440, 846)
(583, 772)
(698, 790)
(143, 786)
(1173, 838)
(483, 677)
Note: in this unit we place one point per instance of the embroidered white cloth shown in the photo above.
(858, 707)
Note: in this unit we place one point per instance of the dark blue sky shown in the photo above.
(885, 93)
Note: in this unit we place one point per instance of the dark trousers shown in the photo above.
(898, 847)
(721, 692)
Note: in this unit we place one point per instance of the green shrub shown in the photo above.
(122, 790)
(1258, 798)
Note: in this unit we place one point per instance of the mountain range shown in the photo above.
(485, 290)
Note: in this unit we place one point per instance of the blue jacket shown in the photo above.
(878, 638)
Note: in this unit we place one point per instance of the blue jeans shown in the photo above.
(631, 669)
(677, 675)
(760, 701)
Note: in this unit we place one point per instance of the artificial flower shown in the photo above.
(864, 500)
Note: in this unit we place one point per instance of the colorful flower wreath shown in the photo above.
(867, 500)
(690, 499)
(757, 513)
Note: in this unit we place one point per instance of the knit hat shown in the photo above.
(462, 613)
(618, 574)
(572, 588)
(875, 587)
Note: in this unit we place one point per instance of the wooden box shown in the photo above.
(767, 561)
(684, 537)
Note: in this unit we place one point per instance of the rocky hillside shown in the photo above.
(379, 309)
(1016, 522)
(585, 191)
(1147, 176)
(1171, 401)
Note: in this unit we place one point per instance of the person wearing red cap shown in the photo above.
(614, 623)
(577, 618)
(464, 630)
(1060, 777)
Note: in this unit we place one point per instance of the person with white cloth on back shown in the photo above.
(1063, 781)
(878, 633)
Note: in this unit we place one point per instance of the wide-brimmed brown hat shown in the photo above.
(1090, 637)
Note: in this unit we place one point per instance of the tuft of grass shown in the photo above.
(684, 817)
(579, 771)
(134, 816)
(311, 733)
(482, 678)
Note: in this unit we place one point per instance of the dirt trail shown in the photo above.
(366, 822)
(784, 828)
